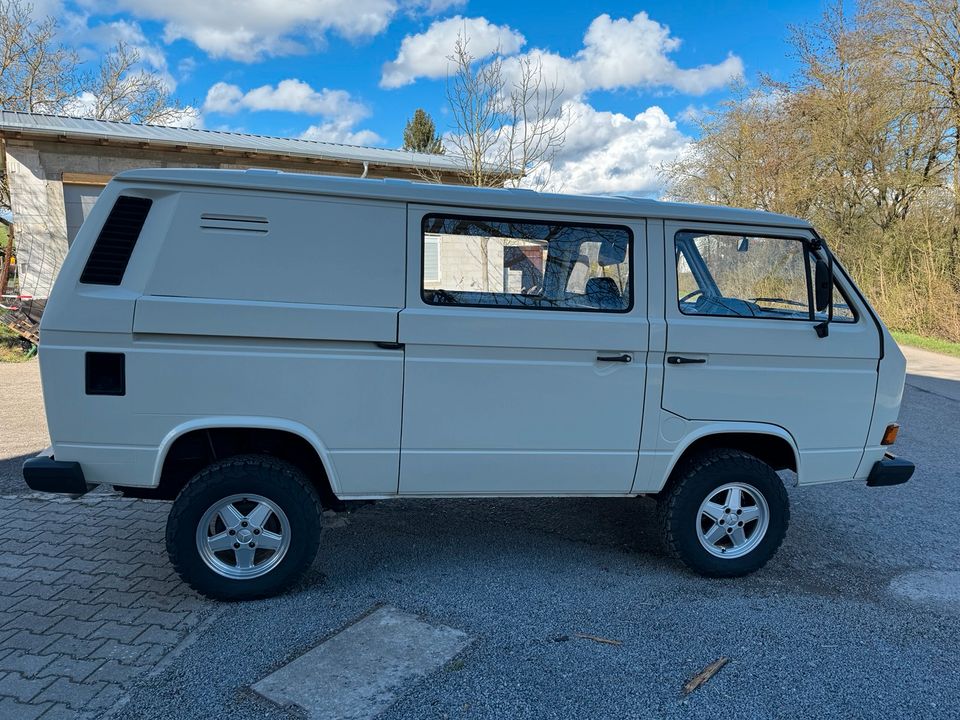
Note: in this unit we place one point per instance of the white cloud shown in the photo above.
(290, 95)
(616, 53)
(337, 109)
(341, 132)
(609, 152)
(253, 29)
(433, 7)
(426, 54)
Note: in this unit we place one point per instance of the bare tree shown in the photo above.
(37, 73)
(927, 33)
(508, 120)
(121, 90)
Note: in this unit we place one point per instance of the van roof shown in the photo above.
(454, 195)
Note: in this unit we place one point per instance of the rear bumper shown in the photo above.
(890, 471)
(44, 474)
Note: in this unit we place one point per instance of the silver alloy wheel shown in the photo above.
(243, 536)
(732, 520)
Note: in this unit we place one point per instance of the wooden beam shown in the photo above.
(85, 178)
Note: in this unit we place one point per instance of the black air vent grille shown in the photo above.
(111, 253)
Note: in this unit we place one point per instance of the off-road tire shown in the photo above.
(282, 483)
(679, 505)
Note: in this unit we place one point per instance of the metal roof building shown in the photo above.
(56, 167)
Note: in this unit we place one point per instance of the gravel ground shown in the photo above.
(856, 617)
(22, 421)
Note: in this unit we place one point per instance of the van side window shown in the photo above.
(743, 276)
(504, 263)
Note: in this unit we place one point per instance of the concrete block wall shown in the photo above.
(40, 220)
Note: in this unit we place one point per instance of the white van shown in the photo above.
(256, 346)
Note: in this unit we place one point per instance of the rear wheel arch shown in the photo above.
(191, 447)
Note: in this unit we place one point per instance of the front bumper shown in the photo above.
(44, 474)
(890, 471)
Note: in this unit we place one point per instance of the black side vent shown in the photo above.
(111, 253)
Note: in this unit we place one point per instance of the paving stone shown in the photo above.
(160, 636)
(75, 695)
(37, 589)
(124, 633)
(80, 611)
(15, 560)
(84, 566)
(76, 670)
(106, 698)
(64, 712)
(12, 573)
(31, 642)
(119, 614)
(112, 567)
(22, 689)
(12, 587)
(36, 605)
(30, 621)
(81, 595)
(163, 618)
(8, 601)
(120, 598)
(10, 708)
(130, 654)
(111, 582)
(75, 647)
(114, 671)
(27, 664)
(45, 561)
(77, 628)
(47, 577)
(78, 579)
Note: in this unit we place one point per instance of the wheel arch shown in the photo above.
(253, 424)
(769, 443)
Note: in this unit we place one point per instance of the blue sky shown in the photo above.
(354, 71)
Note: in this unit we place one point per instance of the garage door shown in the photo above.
(79, 200)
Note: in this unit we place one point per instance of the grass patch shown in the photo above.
(13, 348)
(935, 344)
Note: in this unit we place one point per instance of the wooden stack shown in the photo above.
(22, 326)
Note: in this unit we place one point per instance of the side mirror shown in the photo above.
(822, 285)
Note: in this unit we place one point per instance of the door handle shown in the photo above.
(615, 358)
(679, 360)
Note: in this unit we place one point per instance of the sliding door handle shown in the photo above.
(615, 358)
(679, 360)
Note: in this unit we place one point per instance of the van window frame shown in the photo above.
(760, 234)
(530, 221)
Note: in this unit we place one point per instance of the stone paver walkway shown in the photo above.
(88, 600)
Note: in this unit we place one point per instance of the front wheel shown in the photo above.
(243, 528)
(726, 514)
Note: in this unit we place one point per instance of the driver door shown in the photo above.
(741, 343)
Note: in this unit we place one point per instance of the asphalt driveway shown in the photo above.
(857, 617)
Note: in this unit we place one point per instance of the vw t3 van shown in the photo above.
(256, 346)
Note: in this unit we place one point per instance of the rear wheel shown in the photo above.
(245, 527)
(725, 514)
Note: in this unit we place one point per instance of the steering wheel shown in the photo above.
(689, 295)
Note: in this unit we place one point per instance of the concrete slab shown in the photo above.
(359, 672)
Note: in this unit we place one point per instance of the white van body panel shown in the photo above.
(294, 303)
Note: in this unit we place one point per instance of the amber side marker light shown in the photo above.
(890, 434)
